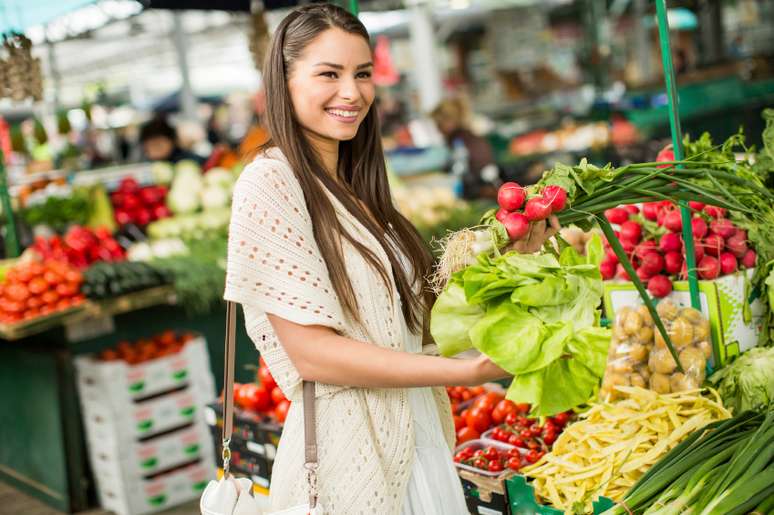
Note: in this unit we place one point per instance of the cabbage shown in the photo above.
(162, 172)
(536, 317)
(214, 197)
(748, 382)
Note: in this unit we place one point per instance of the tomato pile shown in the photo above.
(164, 344)
(35, 289)
(264, 397)
(527, 433)
(140, 206)
(490, 459)
(653, 241)
(80, 247)
(487, 409)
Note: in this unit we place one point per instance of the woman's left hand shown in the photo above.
(538, 233)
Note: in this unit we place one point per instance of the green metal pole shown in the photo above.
(11, 242)
(677, 144)
(354, 7)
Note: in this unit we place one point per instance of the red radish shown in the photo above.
(652, 262)
(644, 275)
(714, 244)
(673, 221)
(632, 209)
(610, 255)
(556, 197)
(748, 260)
(616, 215)
(709, 268)
(659, 286)
(501, 214)
(698, 251)
(699, 227)
(736, 245)
(741, 233)
(714, 211)
(722, 227)
(537, 209)
(696, 206)
(627, 244)
(631, 230)
(666, 154)
(670, 242)
(728, 263)
(645, 247)
(650, 210)
(511, 196)
(608, 269)
(620, 273)
(673, 262)
(517, 225)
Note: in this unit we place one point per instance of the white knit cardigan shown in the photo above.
(365, 435)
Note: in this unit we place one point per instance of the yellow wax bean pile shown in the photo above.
(613, 444)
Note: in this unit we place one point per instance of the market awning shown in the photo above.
(19, 15)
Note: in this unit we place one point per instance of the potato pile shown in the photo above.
(639, 356)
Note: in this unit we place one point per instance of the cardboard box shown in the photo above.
(735, 320)
(123, 383)
(147, 457)
(127, 495)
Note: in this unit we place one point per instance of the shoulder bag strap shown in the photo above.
(310, 431)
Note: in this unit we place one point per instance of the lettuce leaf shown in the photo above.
(451, 319)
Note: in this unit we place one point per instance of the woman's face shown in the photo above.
(331, 87)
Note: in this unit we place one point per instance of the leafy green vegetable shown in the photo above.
(535, 316)
(748, 382)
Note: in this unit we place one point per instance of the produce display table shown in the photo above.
(44, 450)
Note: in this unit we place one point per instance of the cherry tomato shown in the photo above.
(562, 418)
(533, 456)
(465, 434)
(459, 422)
(536, 430)
(481, 463)
(549, 438)
(513, 439)
(503, 409)
(478, 390)
(265, 378)
(533, 444)
(458, 458)
(37, 286)
(511, 418)
(281, 411)
(480, 453)
(491, 453)
(467, 452)
(523, 408)
(523, 421)
(514, 463)
(518, 442)
(17, 292)
(526, 433)
(466, 395)
(495, 466)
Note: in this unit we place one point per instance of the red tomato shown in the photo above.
(514, 463)
(277, 396)
(510, 419)
(533, 456)
(465, 434)
(266, 379)
(17, 292)
(481, 463)
(465, 395)
(281, 411)
(526, 434)
(523, 408)
(464, 414)
(503, 409)
(52, 278)
(479, 419)
(50, 297)
(459, 422)
(562, 418)
(37, 286)
(478, 390)
(495, 466)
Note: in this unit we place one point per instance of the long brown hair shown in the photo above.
(362, 173)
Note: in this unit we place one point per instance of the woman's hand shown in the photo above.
(538, 233)
(484, 370)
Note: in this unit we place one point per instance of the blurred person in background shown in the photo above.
(160, 143)
(480, 178)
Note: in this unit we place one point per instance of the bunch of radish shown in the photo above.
(512, 198)
(720, 248)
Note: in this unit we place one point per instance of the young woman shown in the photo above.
(331, 279)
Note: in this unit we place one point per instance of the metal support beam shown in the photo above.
(427, 71)
(187, 99)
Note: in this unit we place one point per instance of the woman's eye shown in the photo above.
(331, 75)
(364, 75)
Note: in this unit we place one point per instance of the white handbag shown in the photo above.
(234, 496)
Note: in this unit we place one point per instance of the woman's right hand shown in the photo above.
(484, 370)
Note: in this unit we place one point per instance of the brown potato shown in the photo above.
(661, 361)
(693, 361)
(681, 333)
(645, 335)
(647, 319)
(660, 383)
(701, 331)
(694, 316)
(637, 380)
(706, 348)
(667, 310)
(638, 352)
(632, 323)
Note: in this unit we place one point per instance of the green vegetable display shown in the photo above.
(535, 316)
(104, 280)
(59, 212)
(748, 382)
(726, 468)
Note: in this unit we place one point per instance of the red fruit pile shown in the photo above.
(139, 206)
(489, 459)
(512, 198)
(720, 248)
(263, 397)
(80, 247)
(527, 433)
(34, 289)
(479, 416)
(163, 344)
